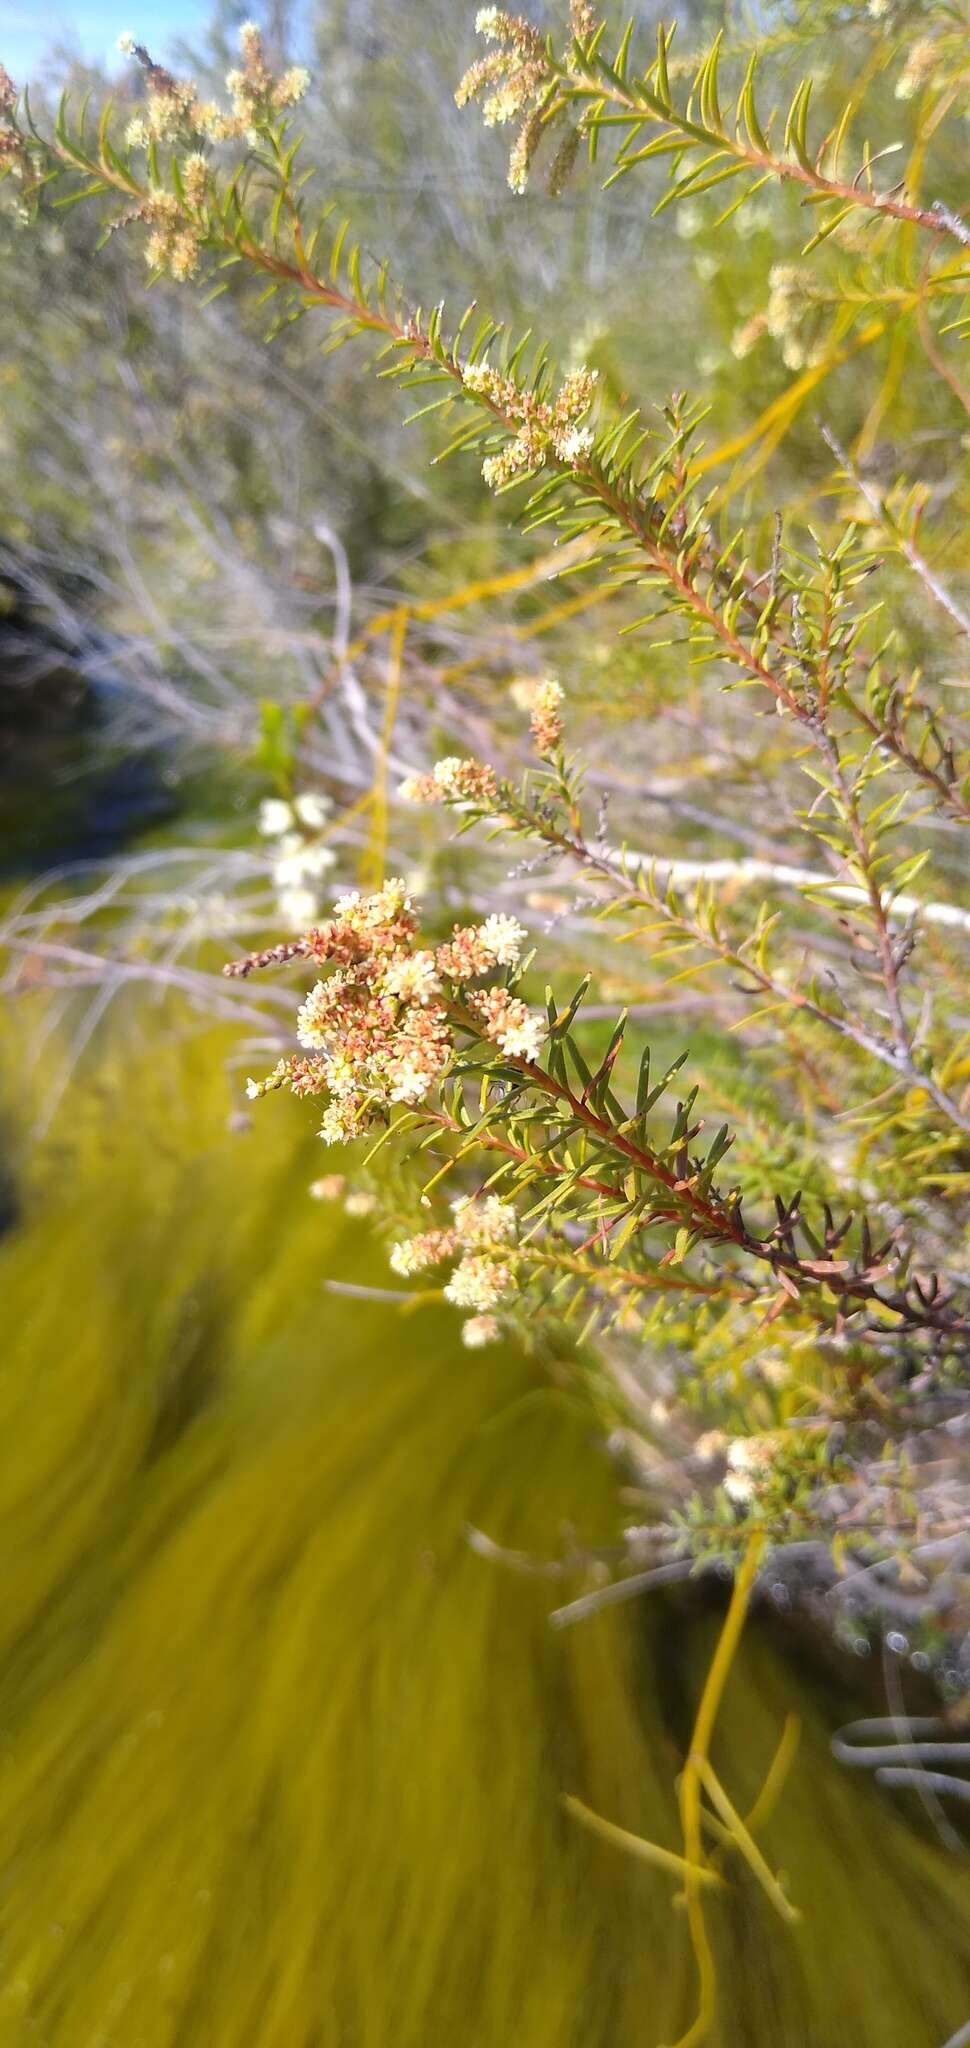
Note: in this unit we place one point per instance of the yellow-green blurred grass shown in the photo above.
(282, 1759)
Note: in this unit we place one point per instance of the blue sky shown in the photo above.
(29, 30)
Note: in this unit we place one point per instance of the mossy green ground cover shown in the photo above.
(282, 1758)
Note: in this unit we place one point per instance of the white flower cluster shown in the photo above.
(174, 112)
(541, 696)
(503, 937)
(509, 1023)
(478, 1282)
(452, 781)
(795, 300)
(484, 1228)
(511, 82)
(301, 859)
(540, 431)
(481, 1235)
(414, 978)
(750, 1460)
(710, 1444)
(574, 443)
(479, 1330)
(412, 1255)
(483, 1222)
(379, 1029)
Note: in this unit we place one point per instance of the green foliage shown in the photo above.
(281, 729)
(759, 1256)
(840, 1227)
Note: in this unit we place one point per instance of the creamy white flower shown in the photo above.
(401, 1259)
(501, 106)
(275, 817)
(298, 908)
(308, 1027)
(477, 377)
(389, 902)
(410, 1083)
(479, 1330)
(312, 809)
(504, 938)
(412, 1255)
(573, 445)
(482, 1221)
(446, 774)
(478, 1282)
(289, 873)
(750, 1453)
(413, 978)
(341, 1074)
(526, 1038)
(346, 904)
(318, 859)
(710, 1445)
(303, 863)
(749, 1461)
(293, 85)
